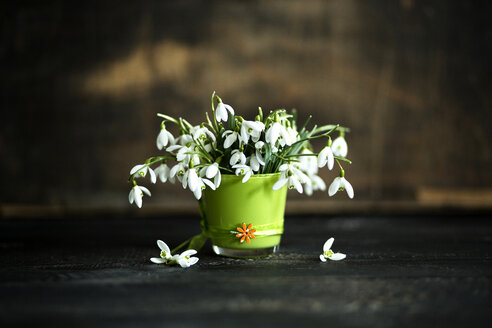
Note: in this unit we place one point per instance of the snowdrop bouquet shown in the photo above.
(227, 143)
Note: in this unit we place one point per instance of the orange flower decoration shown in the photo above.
(246, 233)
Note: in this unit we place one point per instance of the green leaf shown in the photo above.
(197, 242)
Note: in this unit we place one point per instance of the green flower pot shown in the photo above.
(238, 205)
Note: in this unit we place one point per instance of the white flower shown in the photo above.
(292, 134)
(231, 138)
(339, 147)
(164, 138)
(340, 183)
(178, 171)
(213, 172)
(243, 170)
(259, 147)
(325, 157)
(141, 171)
(314, 183)
(272, 133)
(202, 134)
(328, 253)
(254, 163)
(165, 253)
(185, 260)
(237, 157)
(136, 195)
(221, 111)
(191, 177)
(308, 164)
(291, 175)
(162, 172)
(251, 129)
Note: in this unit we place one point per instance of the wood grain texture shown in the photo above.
(400, 272)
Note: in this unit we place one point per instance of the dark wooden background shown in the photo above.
(81, 83)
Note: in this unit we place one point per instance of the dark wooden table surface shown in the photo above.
(422, 271)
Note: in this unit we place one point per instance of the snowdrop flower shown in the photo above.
(254, 163)
(185, 260)
(339, 147)
(136, 195)
(278, 132)
(183, 140)
(272, 134)
(329, 254)
(165, 253)
(314, 183)
(325, 157)
(178, 171)
(203, 134)
(141, 171)
(191, 179)
(232, 136)
(164, 138)
(213, 172)
(201, 186)
(340, 183)
(292, 134)
(291, 175)
(221, 111)
(258, 148)
(237, 157)
(251, 129)
(308, 164)
(162, 172)
(243, 170)
(195, 183)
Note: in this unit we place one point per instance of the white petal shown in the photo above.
(193, 180)
(348, 188)
(335, 185)
(145, 190)
(217, 180)
(193, 260)
(229, 108)
(212, 170)
(157, 260)
(209, 183)
(318, 182)
(322, 258)
(188, 253)
(131, 196)
(247, 176)
(296, 184)
(331, 160)
(136, 168)
(339, 147)
(328, 244)
(337, 257)
(184, 263)
(163, 246)
(280, 183)
(283, 167)
(153, 177)
(138, 197)
(230, 140)
(197, 193)
(173, 148)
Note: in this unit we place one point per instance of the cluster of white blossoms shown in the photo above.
(229, 144)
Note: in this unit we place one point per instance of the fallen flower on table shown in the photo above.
(329, 254)
(185, 260)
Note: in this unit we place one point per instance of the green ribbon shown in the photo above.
(222, 233)
(219, 232)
